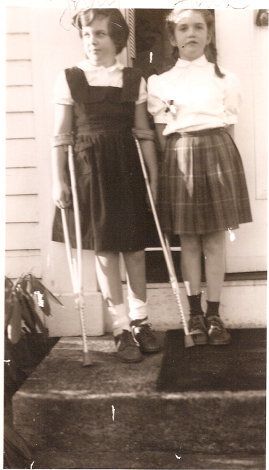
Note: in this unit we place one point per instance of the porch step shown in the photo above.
(109, 415)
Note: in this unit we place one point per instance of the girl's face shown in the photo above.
(98, 45)
(191, 35)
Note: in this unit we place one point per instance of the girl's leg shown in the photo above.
(214, 253)
(108, 275)
(136, 281)
(191, 251)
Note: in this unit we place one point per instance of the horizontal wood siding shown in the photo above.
(21, 181)
(18, 46)
(20, 125)
(19, 98)
(23, 261)
(23, 253)
(18, 72)
(20, 152)
(22, 236)
(22, 208)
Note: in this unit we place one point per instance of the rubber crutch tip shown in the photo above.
(188, 341)
(87, 359)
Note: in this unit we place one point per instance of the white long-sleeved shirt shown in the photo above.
(201, 99)
(96, 76)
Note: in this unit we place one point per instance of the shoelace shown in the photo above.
(215, 323)
(144, 328)
(197, 325)
(126, 339)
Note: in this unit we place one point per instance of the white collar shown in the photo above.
(86, 66)
(201, 61)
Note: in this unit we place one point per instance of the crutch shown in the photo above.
(75, 263)
(188, 340)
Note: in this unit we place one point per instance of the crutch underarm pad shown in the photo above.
(143, 134)
(62, 139)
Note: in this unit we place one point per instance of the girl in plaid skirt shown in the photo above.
(203, 190)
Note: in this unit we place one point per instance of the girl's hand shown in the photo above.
(61, 194)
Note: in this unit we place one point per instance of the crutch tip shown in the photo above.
(87, 361)
(188, 341)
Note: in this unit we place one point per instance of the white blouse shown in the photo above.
(96, 76)
(201, 99)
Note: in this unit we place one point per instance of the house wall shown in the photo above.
(243, 48)
(23, 249)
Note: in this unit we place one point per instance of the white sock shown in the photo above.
(137, 309)
(120, 320)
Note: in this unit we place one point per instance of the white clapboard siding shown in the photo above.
(22, 208)
(22, 236)
(18, 46)
(19, 98)
(21, 181)
(19, 72)
(22, 215)
(20, 262)
(18, 20)
(20, 125)
(20, 152)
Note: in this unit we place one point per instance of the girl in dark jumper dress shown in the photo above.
(99, 105)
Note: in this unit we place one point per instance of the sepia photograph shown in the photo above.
(135, 251)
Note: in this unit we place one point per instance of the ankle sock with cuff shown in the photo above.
(120, 320)
(137, 309)
(195, 304)
(212, 308)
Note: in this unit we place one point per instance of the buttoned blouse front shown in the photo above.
(96, 76)
(200, 98)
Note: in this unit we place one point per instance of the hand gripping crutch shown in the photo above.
(75, 263)
(188, 341)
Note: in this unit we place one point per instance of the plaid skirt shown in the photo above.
(202, 184)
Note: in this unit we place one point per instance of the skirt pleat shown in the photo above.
(111, 193)
(202, 184)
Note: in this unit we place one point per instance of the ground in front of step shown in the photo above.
(110, 415)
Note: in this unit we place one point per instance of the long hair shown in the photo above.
(117, 27)
(210, 50)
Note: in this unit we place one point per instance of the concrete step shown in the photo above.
(73, 414)
(243, 305)
(52, 458)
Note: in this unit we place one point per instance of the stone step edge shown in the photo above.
(177, 396)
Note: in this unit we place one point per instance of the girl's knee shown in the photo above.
(135, 257)
(191, 243)
(213, 243)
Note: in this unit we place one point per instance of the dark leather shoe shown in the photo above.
(197, 329)
(145, 337)
(127, 349)
(217, 333)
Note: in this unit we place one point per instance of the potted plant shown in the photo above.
(26, 344)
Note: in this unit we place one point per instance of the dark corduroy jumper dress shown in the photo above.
(110, 184)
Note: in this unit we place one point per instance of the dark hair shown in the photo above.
(117, 26)
(210, 51)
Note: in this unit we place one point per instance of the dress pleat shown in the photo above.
(110, 184)
(203, 187)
